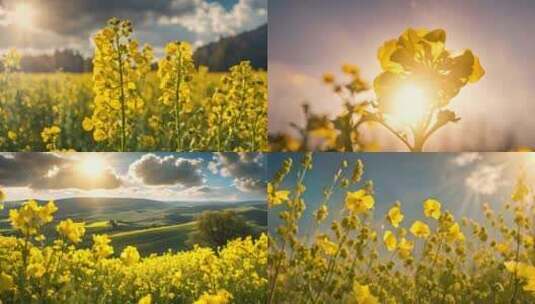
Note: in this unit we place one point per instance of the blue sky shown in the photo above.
(160, 176)
(309, 38)
(44, 25)
(461, 181)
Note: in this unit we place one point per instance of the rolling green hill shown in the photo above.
(151, 226)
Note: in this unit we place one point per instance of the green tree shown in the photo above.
(216, 228)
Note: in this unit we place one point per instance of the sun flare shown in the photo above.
(92, 165)
(410, 104)
(23, 16)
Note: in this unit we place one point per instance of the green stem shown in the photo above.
(122, 97)
(514, 277)
(178, 104)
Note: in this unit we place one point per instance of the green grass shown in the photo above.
(154, 240)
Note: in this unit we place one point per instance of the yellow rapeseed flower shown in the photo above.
(363, 295)
(328, 78)
(276, 197)
(12, 135)
(329, 247)
(30, 217)
(145, 300)
(101, 246)
(359, 201)
(405, 247)
(432, 208)
(390, 240)
(221, 297)
(455, 233)
(420, 229)
(130, 255)
(71, 230)
(525, 271)
(419, 55)
(395, 216)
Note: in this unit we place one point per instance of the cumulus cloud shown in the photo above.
(51, 171)
(249, 184)
(247, 169)
(21, 169)
(211, 18)
(485, 179)
(61, 24)
(465, 159)
(153, 170)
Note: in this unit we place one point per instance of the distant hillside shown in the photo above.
(219, 56)
(152, 226)
(91, 207)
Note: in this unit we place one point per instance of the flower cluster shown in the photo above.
(119, 66)
(238, 120)
(35, 268)
(356, 258)
(176, 73)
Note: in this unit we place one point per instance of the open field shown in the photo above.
(151, 226)
(42, 112)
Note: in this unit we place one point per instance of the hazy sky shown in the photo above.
(308, 38)
(461, 181)
(158, 176)
(44, 25)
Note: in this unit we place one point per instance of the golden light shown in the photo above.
(92, 165)
(410, 104)
(23, 16)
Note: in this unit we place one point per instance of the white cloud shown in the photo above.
(210, 19)
(485, 179)
(465, 159)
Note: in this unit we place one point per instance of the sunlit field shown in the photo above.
(36, 269)
(124, 105)
(108, 229)
(352, 242)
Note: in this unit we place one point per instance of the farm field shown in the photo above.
(150, 226)
(45, 112)
(97, 238)
(133, 101)
(139, 251)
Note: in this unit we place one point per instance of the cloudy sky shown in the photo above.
(44, 25)
(159, 176)
(308, 38)
(461, 181)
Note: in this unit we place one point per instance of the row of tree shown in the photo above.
(217, 56)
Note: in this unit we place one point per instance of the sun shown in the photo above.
(23, 16)
(92, 165)
(410, 104)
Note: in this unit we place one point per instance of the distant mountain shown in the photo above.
(221, 55)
